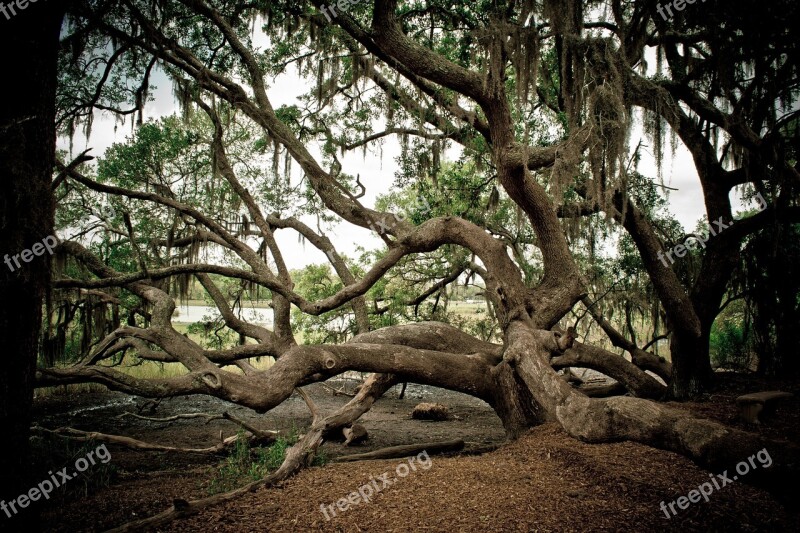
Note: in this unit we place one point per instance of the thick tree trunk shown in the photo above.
(513, 402)
(27, 149)
(691, 366)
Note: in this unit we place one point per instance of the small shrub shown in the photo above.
(321, 459)
(246, 464)
(729, 345)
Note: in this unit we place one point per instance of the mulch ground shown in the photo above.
(545, 481)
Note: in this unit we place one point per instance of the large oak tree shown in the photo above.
(540, 98)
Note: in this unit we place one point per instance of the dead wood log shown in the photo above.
(183, 416)
(430, 411)
(405, 450)
(355, 434)
(182, 508)
(83, 436)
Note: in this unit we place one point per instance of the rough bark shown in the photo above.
(517, 379)
(691, 366)
(27, 152)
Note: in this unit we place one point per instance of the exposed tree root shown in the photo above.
(519, 382)
(708, 443)
(393, 452)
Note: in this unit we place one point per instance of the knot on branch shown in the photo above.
(212, 380)
(510, 357)
(329, 362)
(565, 340)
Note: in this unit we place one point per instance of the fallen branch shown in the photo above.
(83, 436)
(338, 392)
(182, 508)
(405, 450)
(208, 416)
(309, 403)
(263, 436)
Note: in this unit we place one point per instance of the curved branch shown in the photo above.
(638, 382)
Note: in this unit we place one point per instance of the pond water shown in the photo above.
(187, 314)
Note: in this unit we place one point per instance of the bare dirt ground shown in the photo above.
(545, 481)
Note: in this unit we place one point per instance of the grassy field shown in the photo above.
(468, 310)
(262, 304)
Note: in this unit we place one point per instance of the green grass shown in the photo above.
(246, 464)
(467, 310)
